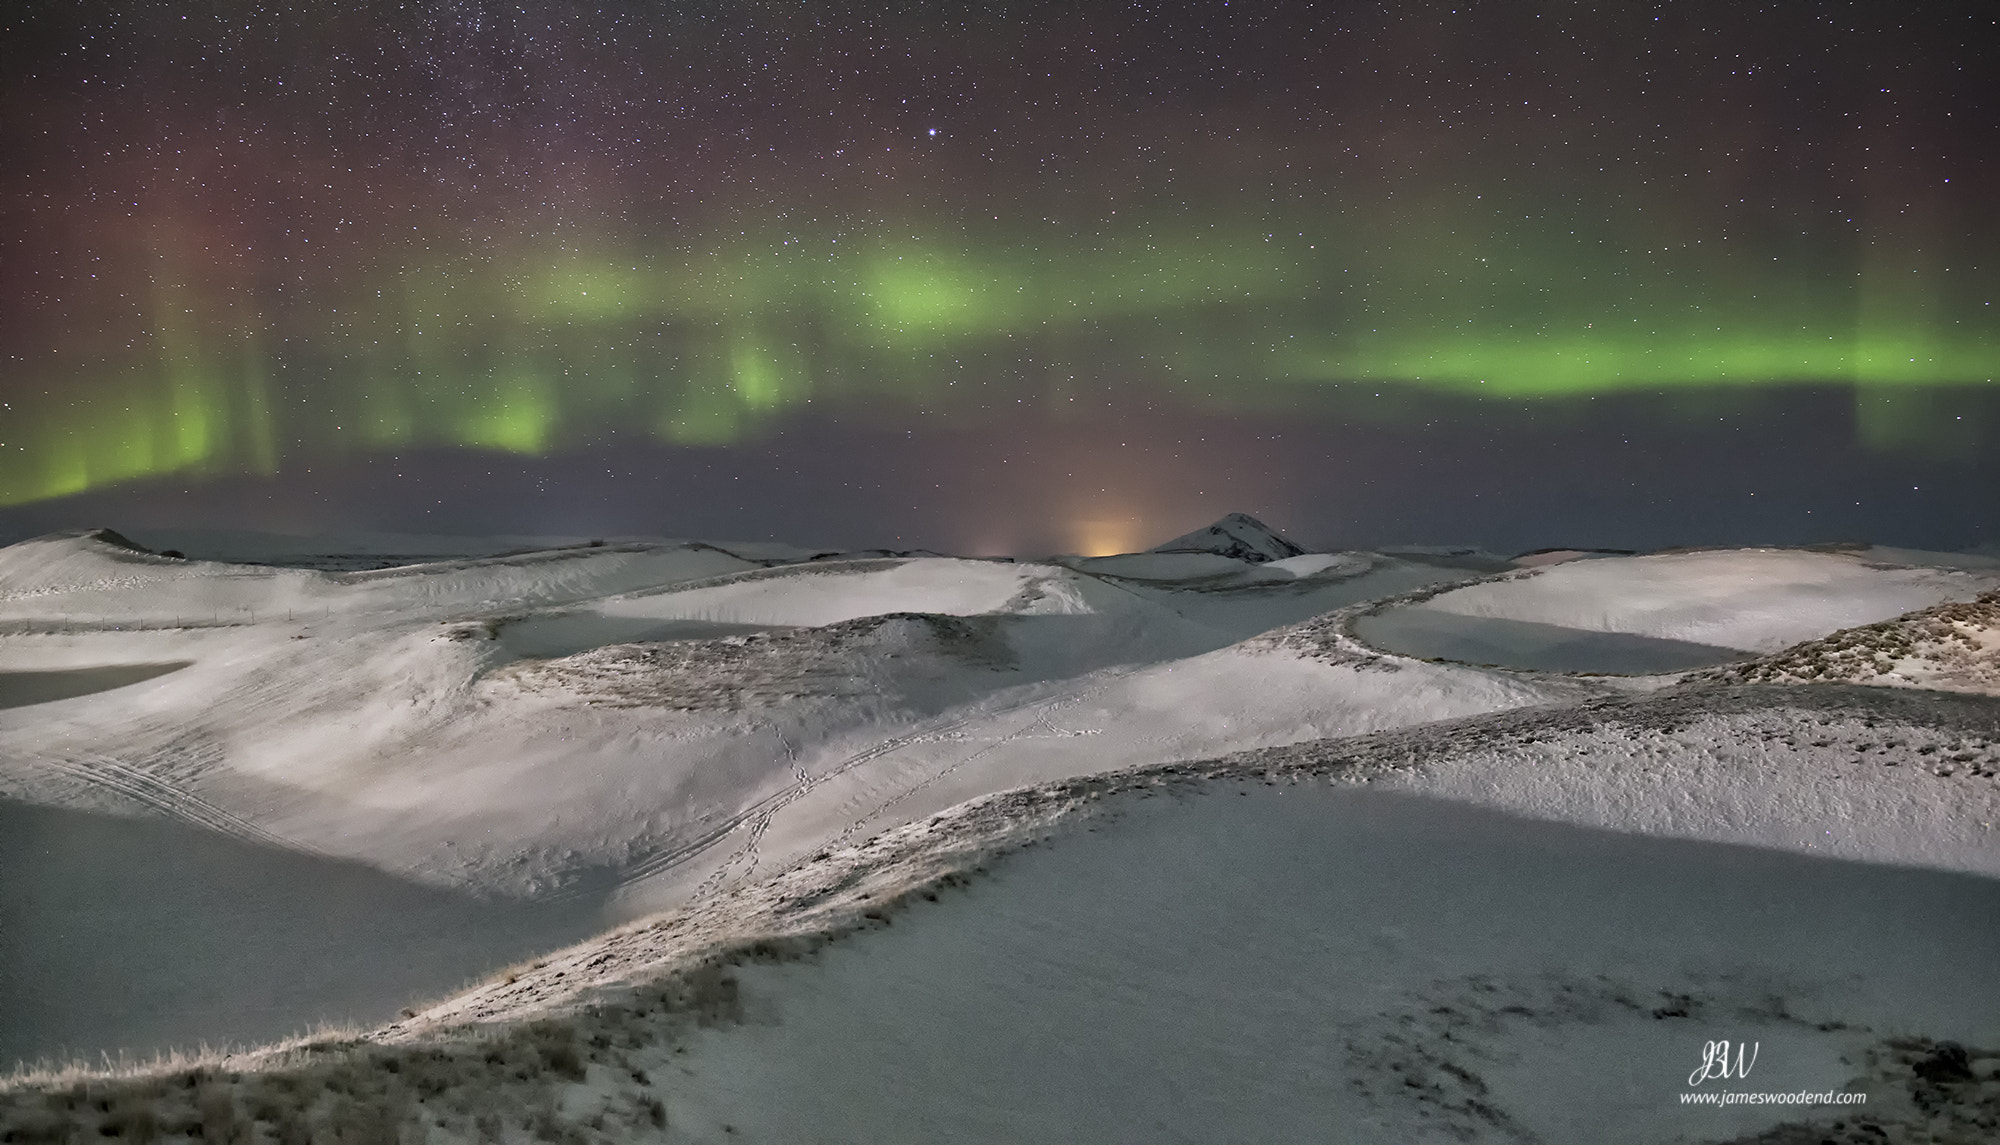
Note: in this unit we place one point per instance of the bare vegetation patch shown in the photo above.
(1920, 1092)
(762, 669)
(1950, 647)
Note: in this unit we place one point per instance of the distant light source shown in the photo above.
(1105, 536)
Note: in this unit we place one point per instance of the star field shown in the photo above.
(254, 239)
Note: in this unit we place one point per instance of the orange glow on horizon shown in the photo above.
(1105, 536)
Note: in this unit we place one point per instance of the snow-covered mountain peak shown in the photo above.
(1239, 535)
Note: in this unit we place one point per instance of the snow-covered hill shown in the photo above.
(648, 695)
(1238, 536)
(1669, 612)
(777, 741)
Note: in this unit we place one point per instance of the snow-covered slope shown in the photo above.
(1279, 953)
(1856, 773)
(684, 717)
(674, 726)
(81, 582)
(1756, 600)
(594, 715)
(1296, 963)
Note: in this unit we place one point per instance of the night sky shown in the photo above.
(1011, 277)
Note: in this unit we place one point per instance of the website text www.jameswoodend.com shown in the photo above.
(1729, 1097)
(1717, 1063)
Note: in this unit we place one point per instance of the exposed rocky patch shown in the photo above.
(1953, 647)
(763, 669)
(1920, 1092)
(1238, 536)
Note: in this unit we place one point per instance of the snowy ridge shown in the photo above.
(1756, 600)
(1912, 744)
(354, 714)
(589, 1034)
(1951, 647)
(755, 758)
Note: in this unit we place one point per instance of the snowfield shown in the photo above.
(1756, 600)
(1299, 863)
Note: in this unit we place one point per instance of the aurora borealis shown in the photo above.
(245, 241)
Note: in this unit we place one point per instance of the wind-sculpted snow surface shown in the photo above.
(642, 1035)
(828, 592)
(90, 584)
(758, 754)
(409, 718)
(1756, 600)
(1841, 771)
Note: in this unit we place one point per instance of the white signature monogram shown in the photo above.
(1715, 1061)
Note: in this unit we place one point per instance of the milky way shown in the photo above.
(247, 239)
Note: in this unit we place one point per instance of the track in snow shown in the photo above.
(154, 794)
(757, 817)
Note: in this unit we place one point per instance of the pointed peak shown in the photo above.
(1239, 536)
(109, 537)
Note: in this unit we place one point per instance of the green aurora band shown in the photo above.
(242, 243)
(704, 349)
